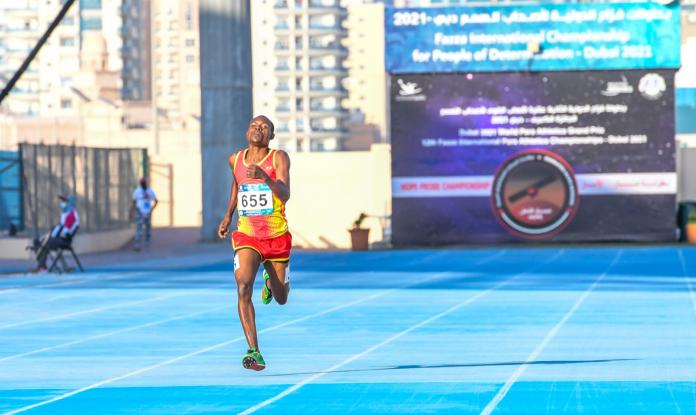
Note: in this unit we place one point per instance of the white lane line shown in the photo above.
(34, 299)
(211, 348)
(352, 275)
(88, 311)
(493, 404)
(94, 278)
(688, 279)
(396, 336)
(111, 333)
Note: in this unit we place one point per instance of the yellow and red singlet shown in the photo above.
(261, 213)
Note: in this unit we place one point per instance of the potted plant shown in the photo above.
(691, 226)
(359, 236)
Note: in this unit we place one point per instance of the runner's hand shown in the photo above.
(223, 228)
(256, 172)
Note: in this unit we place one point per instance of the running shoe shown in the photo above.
(253, 360)
(266, 295)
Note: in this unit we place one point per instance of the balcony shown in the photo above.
(320, 111)
(318, 90)
(335, 50)
(324, 7)
(21, 31)
(324, 3)
(324, 70)
(287, 7)
(283, 91)
(285, 4)
(22, 50)
(281, 27)
(282, 48)
(20, 8)
(327, 133)
(321, 28)
(282, 69)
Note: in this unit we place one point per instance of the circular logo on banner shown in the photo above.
(652, 86)
(535, 194)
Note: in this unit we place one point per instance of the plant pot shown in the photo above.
(691, 232)
(359, 239)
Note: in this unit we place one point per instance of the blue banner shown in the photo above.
(532, 38)
(563, 156)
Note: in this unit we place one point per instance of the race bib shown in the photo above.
(255, 199)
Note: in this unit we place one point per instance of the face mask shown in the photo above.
(64, 206)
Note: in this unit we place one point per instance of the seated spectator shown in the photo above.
(61, 235)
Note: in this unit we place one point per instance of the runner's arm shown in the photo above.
(281, 186)
(231, 205)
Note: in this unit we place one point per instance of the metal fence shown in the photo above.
(102, 180)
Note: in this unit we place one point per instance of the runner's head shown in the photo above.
(260, 131)
(143, 183)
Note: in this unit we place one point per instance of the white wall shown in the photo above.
(329, 190)
(686, 167)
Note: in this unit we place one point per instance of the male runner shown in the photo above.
(260, 189)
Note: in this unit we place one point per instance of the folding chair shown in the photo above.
(58, 262)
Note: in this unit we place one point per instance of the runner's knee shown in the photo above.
(244, 290)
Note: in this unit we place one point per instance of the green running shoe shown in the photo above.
(266, 295)
(253, 360)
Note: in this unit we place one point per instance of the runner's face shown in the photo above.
(259, 132)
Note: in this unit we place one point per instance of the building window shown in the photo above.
(91, 23)
(67, 41)
(190, 42)
(65, 103)
(90, 4)
(190, 59)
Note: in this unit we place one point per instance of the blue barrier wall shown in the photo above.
(685, 100)
(10, 190)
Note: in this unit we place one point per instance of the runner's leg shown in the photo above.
(246, 264)
(279, 281)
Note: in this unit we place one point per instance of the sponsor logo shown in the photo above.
(535, 194)
(409, 91)
(618, 87)
(652, 86)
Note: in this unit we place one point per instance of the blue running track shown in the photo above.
(600, 330)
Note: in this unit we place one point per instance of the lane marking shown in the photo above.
(211, 348)
(492, 405)
(89, 311)
(396, 336)
(111, 333)
(95, 278)
(688, 279)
